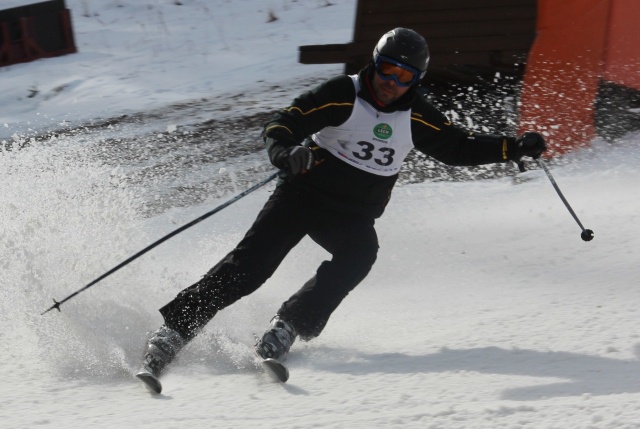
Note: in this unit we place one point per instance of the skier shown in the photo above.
(341, 145)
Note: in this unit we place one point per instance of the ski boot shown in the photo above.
(162, 347)
(274, 347)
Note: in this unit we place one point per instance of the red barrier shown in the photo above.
(622, 55)
(578, 44)
(563, 70)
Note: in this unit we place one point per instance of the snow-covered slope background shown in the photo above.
(484, 310)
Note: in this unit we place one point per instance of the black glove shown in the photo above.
(528, 144)
(297, 160)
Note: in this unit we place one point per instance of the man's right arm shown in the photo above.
(329, 104)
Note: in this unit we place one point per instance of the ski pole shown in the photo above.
(57, 304)
(587, 234)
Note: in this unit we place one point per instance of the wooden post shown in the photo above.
(39, 30)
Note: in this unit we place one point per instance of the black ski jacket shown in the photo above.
(335, 185)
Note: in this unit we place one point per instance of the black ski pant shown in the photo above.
(286, 218)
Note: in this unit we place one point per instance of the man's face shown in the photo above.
(387, 91)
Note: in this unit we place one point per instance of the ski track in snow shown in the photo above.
(484, 310)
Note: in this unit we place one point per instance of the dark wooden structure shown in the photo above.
(35, 31)
(465, 37)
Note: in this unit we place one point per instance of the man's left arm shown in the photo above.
(435, 136)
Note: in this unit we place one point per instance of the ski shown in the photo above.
(150, 380)
(276, 369)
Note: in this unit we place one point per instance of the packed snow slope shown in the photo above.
(485, 308)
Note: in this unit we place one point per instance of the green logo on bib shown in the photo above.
(382, 131)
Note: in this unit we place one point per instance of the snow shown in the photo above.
(140, 55)
(485, 308)
(9, 4)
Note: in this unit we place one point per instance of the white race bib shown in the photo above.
(369, 140)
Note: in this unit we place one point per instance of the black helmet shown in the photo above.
(405, 46)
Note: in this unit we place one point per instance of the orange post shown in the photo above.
(622, 55)
(563, 71)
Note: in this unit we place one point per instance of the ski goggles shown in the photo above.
(401, 74)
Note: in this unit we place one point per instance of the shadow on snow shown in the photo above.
(586, 374)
